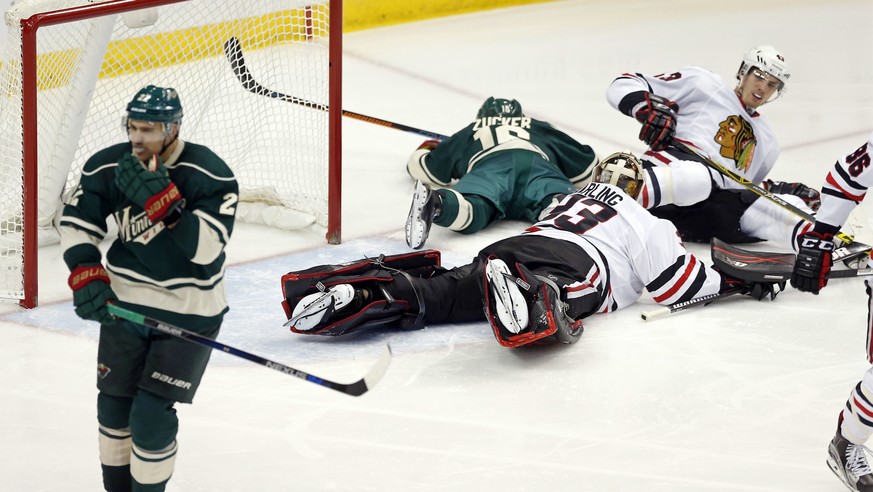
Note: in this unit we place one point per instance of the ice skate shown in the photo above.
(426, 206)
(315, 308)
(849, 463)
(510, 304)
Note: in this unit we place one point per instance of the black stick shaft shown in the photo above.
(758, 190)
(233, 51)
(680, 306)
(357, 388)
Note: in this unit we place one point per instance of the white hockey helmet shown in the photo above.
(621, 169)
(767, 59)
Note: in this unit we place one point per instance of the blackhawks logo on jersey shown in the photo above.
(737, 140)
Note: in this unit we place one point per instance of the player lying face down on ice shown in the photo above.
(502, 165)
(593, 252)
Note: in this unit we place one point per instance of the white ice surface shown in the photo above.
(736, 396)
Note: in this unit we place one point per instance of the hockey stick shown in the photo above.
(850, 272)
(758, 190)
(357, 388)
(233, 51)
(663, 311)
(681, 306)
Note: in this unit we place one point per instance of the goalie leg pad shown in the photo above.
(298, 284)
(350, 309)
(525, 309)
(567, 330)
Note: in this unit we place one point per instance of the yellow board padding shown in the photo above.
(165, 49)
(367, 14)
(182, 46)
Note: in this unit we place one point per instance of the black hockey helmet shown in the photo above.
(500, 107)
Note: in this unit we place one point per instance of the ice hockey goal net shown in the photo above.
(259, 82)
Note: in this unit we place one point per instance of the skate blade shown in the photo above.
(416, 228)
(317, 307)
(835, 469)
(510, 304)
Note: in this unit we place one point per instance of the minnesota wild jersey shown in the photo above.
(173, 274)
(485, 137)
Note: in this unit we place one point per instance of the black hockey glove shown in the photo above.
(810, 196)
(814, 261)
(658, 117)
(150, 188)
(755, 290)
(91, 293)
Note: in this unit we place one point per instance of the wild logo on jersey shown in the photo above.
(737, 140)
(137, 228)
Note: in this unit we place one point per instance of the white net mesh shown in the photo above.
(89, 69)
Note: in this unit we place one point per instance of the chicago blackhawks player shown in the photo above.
(694, 107)
(844, 187)
(593, 252)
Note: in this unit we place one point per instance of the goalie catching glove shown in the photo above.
(814, 261)
(658, 116)
(91, 293)
(756, 290)
(150, 189)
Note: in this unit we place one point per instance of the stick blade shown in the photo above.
(373, 376)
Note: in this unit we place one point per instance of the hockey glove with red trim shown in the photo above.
(810, 196)
(91, 293)
(814, 261)
(658, 117)
(150, 189)
(429, 145)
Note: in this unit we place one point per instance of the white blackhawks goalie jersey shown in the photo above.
(636, 249)
(711, 117)
(845, 186)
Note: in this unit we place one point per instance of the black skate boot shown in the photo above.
(848, 461)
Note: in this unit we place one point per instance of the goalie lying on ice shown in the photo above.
(593, 252)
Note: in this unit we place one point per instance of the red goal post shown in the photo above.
(78, 62)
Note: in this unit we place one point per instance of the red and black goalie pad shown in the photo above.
(376, 311)
(546, 323)
(299, 284)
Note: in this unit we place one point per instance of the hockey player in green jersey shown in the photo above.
(174, 203)
(507, 165)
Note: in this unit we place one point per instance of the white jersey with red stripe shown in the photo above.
(636, 250)
(846, 185)
(711, 117)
